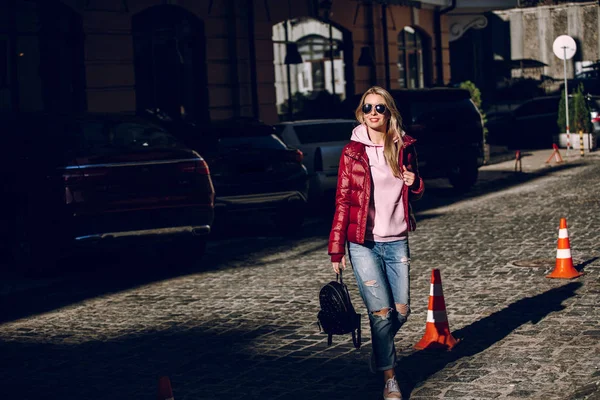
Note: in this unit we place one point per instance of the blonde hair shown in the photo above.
(391, 146)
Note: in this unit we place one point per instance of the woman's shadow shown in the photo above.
(481, 334)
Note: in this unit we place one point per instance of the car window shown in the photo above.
(327, 132)
(497, 116)
(535, 107)
(241, 128)
(122, 135)
(279, 130)
(419, 110)
(132, 135)
(422, 111)
(253, 142)
(93, 134)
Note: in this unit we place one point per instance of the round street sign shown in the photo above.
(564, 47)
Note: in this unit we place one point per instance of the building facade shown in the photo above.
(213, 59)
(533, 31)
(510, 48)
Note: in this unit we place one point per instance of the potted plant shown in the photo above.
(582, 120)
(579, 120)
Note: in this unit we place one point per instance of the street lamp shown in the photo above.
(564, 47)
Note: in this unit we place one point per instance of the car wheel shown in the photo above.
(463, 175)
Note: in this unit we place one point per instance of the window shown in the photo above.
(104, 135)
(253, 142)
(134, 135)
(316, 54)
(410, 59)
(322, 70)
(536, 107)
(327, 132)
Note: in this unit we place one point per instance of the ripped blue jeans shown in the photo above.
(382, 271)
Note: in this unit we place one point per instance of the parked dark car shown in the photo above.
(534, 123)
(252, 169)
(531, 125)
(84, 179)
(448, 128)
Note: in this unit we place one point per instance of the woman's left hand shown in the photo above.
(407, 176)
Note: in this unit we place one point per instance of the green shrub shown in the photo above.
(476, 99)
(581, 112)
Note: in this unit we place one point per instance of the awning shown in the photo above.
(526, 63)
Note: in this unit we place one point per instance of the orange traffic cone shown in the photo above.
(164, 389)
(555, 154)
(518, 161)
(437, 332)
(564, 262)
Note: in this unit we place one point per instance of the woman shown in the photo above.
(377, 177)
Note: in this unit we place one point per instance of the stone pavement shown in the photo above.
(241, 323)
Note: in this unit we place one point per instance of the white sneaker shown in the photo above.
(391, 391)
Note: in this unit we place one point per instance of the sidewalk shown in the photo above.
(534, 160)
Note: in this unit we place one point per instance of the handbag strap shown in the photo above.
(338, 277)
(344, 287)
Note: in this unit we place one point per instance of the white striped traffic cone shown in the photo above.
(564, 262)
(437, 332)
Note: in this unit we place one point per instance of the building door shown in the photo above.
(170, 62)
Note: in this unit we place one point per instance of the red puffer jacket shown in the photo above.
(354, 194)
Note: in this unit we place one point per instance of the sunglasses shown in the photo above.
(367, 108)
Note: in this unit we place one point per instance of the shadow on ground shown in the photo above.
(201, 362)
(209, 361)
(479, 336)
(579, 267)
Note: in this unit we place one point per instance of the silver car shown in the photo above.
(321, 141)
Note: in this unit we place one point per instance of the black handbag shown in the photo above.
(337, 315)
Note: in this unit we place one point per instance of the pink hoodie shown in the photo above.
(385, 222)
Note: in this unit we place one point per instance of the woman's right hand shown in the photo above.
(337, 265)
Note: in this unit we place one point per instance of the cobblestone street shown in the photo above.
(241, 324)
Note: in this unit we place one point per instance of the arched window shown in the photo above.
(316, 53)
(411, 66)
(321, 70)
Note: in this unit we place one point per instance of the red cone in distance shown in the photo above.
(437, 332)
(555, 154)
(164, 389)
(564, 262)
